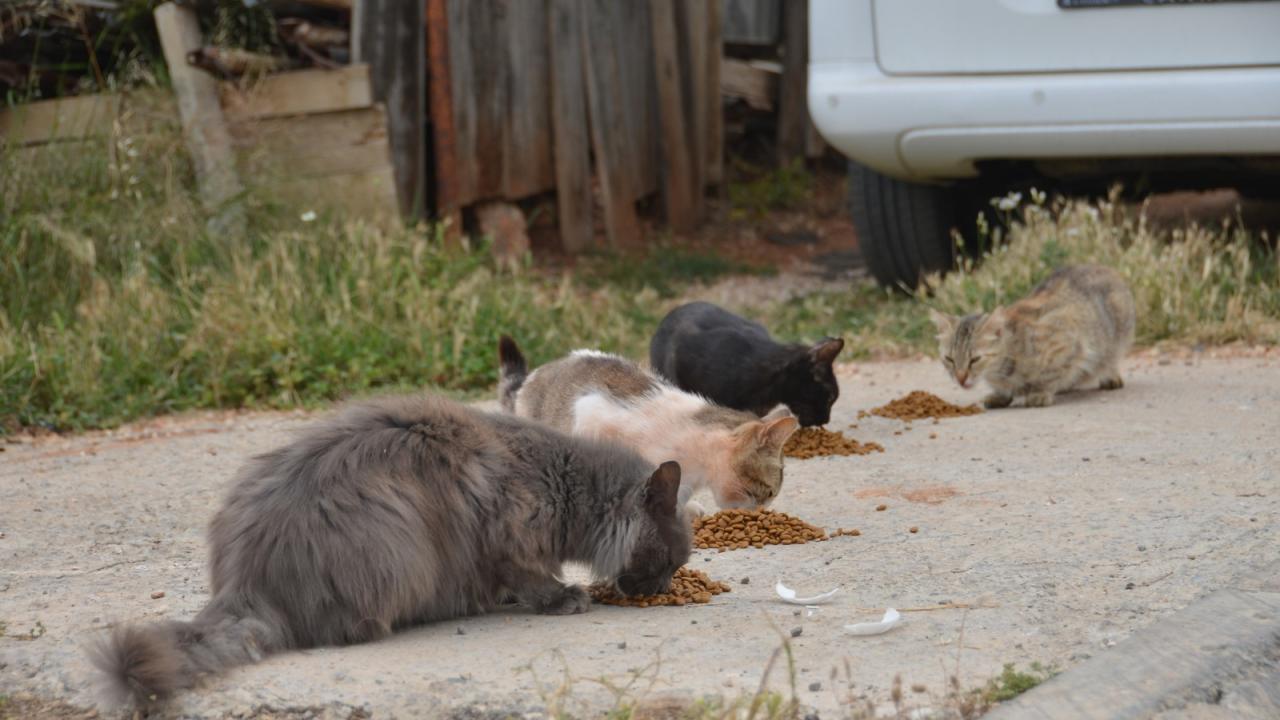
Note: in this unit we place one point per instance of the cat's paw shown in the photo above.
(995, 401)
(694, 509)
(1111, 383)
(572, 600)
(1039, 400)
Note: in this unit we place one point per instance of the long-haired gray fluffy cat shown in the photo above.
(401, 511)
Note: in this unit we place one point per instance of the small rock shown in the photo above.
(157, 595)
(795, 631)
(1085, 459)
(1142, 548)
(745, 581)
(461, 631)
(622, 645)
(1129, 586)
(815, 686)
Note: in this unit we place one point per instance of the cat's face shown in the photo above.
(757, 461)
(811, 383)
(971, 345)
(664, 540)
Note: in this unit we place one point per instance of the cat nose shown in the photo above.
(962, 377)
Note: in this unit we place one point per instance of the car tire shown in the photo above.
(903, 229)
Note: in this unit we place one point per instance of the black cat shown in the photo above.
(732, 361)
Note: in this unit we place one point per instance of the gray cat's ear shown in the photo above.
(942, 321)
(781, 411)
(776, 432)
(826, 350)
(663, 488)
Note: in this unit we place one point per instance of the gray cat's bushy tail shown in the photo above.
(147, 663)
(512, 373)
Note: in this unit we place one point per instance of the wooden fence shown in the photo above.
(545, 94)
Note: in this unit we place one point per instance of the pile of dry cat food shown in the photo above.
(687, 586)
(740, 529)
(918, 405)
(817, 442)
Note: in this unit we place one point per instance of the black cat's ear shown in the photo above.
(663, 488)
(826, 350)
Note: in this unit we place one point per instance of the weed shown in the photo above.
(1011, 683)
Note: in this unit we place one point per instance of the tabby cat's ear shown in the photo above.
(995, 321)
(826, 350)
(774, 434)
(945, 323)
(779, 412)
(663, 488)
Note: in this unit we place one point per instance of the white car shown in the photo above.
(941, 104)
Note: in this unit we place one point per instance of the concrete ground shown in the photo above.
(1065, 529)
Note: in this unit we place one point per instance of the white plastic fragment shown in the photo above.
(789, 595)
(890, 620)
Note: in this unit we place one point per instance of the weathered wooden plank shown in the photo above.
(526, 158)
(351, 141)
(793, 108)
(755, 83)
(679, 189)
(393, 44)
(72, 118)
(629, 24)
(443, 133)
(208, 141)
(698, 100)
(715, 109)
(605, 110)
(299, 92)
(572, 140)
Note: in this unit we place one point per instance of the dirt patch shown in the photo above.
(918, 405)
(929, 495)
(687, 586)
(23, 706)
(740, 529)
(819, 442)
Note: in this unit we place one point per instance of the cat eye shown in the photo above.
(949, 361)
(974, 359)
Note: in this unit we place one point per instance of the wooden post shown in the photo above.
(571, 137)
(203, 124)
(443, 135)
(793, 107)
(698, 96)
(679, 188)
(392, 42)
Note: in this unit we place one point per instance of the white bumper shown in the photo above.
(936, 127)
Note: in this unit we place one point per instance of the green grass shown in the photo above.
(1195, 285)
(761, 190)
(117, 301)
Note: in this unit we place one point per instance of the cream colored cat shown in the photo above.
(734, 454)
(1070, 332)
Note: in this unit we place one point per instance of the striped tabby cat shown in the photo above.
(1070, 332)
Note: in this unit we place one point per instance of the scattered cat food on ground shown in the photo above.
(881, 508)
(740, 529)
(918, 405)
(687, 586)
(818, 442)
(855, 532)
(913, 529)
